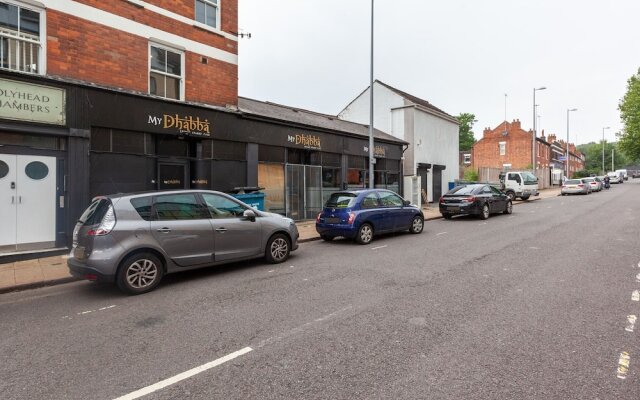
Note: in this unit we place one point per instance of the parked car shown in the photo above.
(575, 186)
(477, 199)
(595, 183)
(614, 177)
(135, 239)
(361, 214)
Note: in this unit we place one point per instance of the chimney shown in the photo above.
(516, 124)
(552, 138)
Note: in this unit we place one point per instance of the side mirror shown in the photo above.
(406, 203)
(249, 215)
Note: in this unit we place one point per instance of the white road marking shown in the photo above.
(271, 270)
(305, 279)
(185, 375)
(638, 264)
(484, 223)
(441, 233)
(291, 266)
(635, 296)
(534, 248)
(638, 278)
(90, 311)
(623, 365)
(620, 240)
(379, 247)
(631, 323)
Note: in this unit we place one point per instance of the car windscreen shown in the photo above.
(341, 200)
(462, 190)
(95, 212)
(573, 182)
(589, 179)
(529, 178)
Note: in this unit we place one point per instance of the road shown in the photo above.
(528, 306)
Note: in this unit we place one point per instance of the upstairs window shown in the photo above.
(166, 72)
(503, 148)
(20, 38)
(208, 12)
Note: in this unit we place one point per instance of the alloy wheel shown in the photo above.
(366, 234)
(417, 225)
(142, 273)
(279, 249)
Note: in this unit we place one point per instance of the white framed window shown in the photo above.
(467, 158)
(208, 12)
(503, 148)
(166, 72)
(22, 37)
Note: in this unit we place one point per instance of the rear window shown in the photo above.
(589, 180)
(463, 190)
(573, 182)
(341, 200)
(95, 212)
(143, 207)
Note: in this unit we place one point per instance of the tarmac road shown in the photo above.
(528, 306)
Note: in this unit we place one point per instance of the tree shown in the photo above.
(466, 138)
(593, 155)
(629, 107)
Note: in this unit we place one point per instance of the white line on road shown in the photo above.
(441, 233)
(631, 323)
(484, 223)
(91, 311)
(187, 374)
(635, 296)
(638, 278)
(623, 365)
(379, 247)
(534, 248)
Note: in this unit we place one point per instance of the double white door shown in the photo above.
(27, 202)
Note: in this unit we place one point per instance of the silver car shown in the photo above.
(135, 239)
(575, 186)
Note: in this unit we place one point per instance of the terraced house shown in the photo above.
(100, 97)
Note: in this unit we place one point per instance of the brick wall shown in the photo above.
(486, 152)
(80, 49)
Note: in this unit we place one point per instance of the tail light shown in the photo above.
(106, 225)
(441, 200)
(318, 217)
(470, 199)
(580, 185)
(352, 217)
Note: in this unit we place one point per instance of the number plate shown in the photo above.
(332, 220)
(78, 252)
(453, 208)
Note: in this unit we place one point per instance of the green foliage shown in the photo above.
(466, 138)
(629, 108)
(593, 154)
(470, 175)
(581, 174)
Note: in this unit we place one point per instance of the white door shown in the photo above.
(36, 190)
(8, 202)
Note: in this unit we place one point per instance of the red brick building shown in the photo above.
(508, 146)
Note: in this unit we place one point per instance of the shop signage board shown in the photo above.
(34, 103)
(181, 124)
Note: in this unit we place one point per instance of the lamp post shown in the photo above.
(606, 127)
(372, 160)
(567, 161)
(533, 145)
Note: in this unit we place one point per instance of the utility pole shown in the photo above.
(372, 160)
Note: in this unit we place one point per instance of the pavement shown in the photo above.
(49, 271)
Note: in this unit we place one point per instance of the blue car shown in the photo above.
(361, 214)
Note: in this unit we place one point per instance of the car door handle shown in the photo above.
(221, 230)
(164, 230)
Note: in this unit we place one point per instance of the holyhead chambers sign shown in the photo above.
(34, 103)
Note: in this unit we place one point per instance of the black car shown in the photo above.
(476, 199)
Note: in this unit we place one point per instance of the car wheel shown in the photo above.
(447, 216)
(525, 198)
(278, 248)
(417, 224)
(485, 212)
(139, 273)
(365, 234)
(511, 196)
(326, 238)
(509, 208)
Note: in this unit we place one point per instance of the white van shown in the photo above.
(625, 176)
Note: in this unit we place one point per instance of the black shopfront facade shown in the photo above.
(108, 141)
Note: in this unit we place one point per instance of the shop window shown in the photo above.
(165, 72)
(271, 178)
(127, 142)
(294, 156)
(34, 141)
(357, 178)
(21, 38)
(227, 174)
(224, 150)
(357, 162)
(208, 12)
(380, 179)
(169, 146)
(331, 160)
(271, 154)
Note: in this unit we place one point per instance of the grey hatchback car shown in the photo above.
(135, 239)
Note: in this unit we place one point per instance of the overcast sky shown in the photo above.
(460, 55)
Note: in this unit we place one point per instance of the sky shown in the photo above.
(460, 55)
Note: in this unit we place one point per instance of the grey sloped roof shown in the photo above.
(309, 118)
(416, 100)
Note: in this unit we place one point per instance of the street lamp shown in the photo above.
(567, 161)
(533, 146)
(371, 153)
(606, 127)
